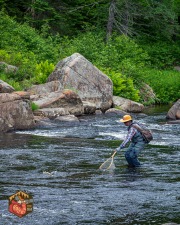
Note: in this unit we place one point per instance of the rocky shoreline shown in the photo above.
(75, 88)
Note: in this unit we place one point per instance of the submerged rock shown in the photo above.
(69, 118)
(115, 112)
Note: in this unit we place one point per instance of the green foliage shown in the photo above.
(125, 60)
(89, 44)
(42, 71)
(119, 51)
(16, 85)
(29, 71)
(120, 54)
(158, 20)
(34, 106)
(13, 83)
(115, 54)
(123, 86)
(63, 17)
(22, 38)
(127, 63)
(4, 56)
(166, 84)
(22, 46)
(162, 54)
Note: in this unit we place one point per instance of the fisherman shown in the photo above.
(137, 142)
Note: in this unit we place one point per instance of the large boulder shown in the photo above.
(77, 73)
(127, 105)
(174, 111)
(15, 112)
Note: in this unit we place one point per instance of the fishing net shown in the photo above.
(108, 164)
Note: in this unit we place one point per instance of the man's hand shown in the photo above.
(118, 149)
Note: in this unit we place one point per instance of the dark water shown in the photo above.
(59, 167)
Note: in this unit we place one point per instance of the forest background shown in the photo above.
(131, 41)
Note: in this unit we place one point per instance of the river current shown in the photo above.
(59, 167)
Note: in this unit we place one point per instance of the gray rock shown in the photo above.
(69, 118)
(169, 224)
(15, 113)
(115, 112)
(174, 111)
(5, 88)
(9, 68)
(89, 108)
(127, 105)
(77, 73)
(147, 93)
(51, 113)
(45, 89)
(66, 99)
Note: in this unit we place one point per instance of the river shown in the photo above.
(59, 165)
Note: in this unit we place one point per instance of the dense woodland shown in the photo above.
(132, 41)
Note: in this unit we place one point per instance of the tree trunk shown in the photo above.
(111, 19)
(126, 19)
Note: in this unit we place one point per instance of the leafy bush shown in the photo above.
(34, 106)
(121, 49)
(123, 86)
(42, 71)
(22, 38)
(88, 44)
(112, 54)
(29, 71)
(121, 58)
(22, 46)
(163, 54)
(166, 84)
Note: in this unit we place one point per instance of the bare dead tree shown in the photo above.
(111, 19)
(31, 9)
(121, 17)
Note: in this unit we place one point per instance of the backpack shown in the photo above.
(147, 135)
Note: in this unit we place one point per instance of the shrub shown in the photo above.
(22, 38)
(29, 71)
(123, 86)
(42, 71)
(163, 55)
(34, 106)
(166, 84)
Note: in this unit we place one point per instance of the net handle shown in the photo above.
(113, 154)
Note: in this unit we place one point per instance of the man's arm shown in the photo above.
(128, 138)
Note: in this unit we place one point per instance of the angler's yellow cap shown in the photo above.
(126, 118)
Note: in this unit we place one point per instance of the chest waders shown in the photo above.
(136, 146)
